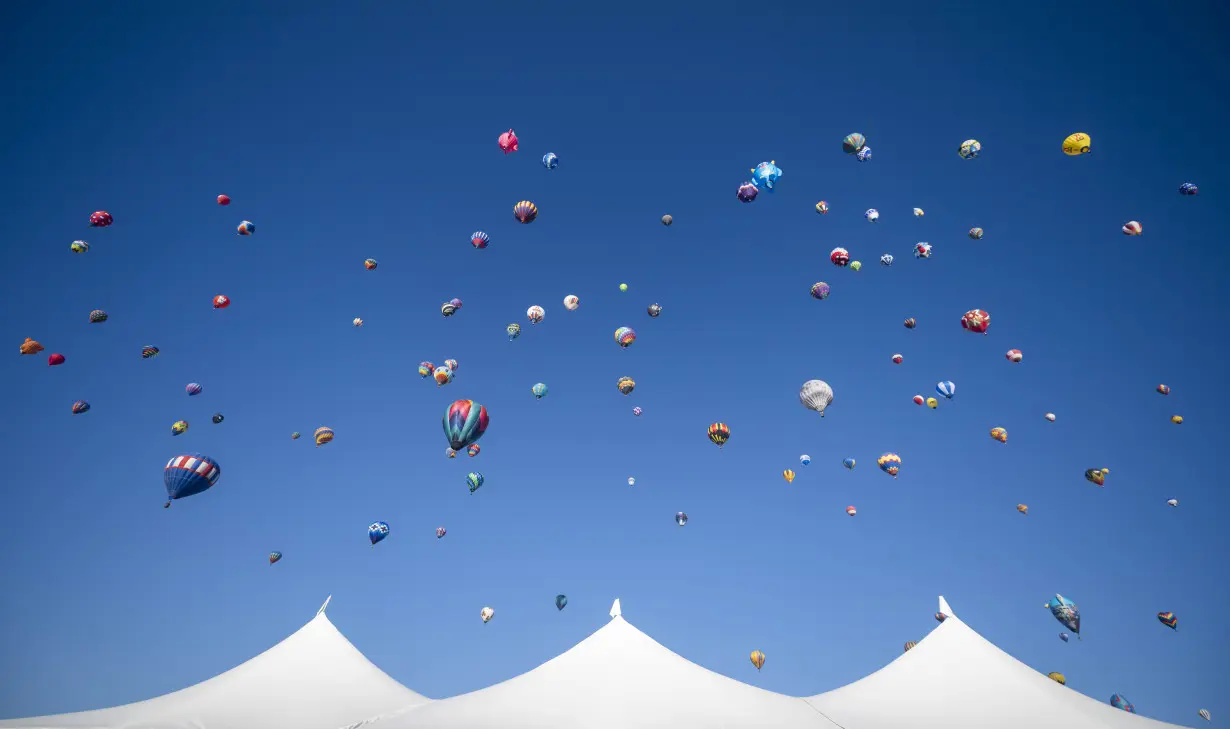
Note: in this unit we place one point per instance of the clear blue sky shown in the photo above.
(360, 130)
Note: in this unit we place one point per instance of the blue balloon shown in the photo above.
(377, 532)
(765, 174)
(561, 601)
(848, 463)
(550, 160)
(947, 389)
(189, 475)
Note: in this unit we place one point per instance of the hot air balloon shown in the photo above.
(246, 228)
(274, 557)
(1162, 389)
(1023, 508)
(940, 617)
(681, 518)
(370, 264)
(976, 321)
(1050, 417)
(947, 389)
(719, 433)
(377, 532)
(840, 257)
(473, 450)
(1176, 419)
(1172, 502)
(631, 481)
(863, 155)
(525, 212)
(294, 435)
(189, 475)
(898, 359)
(849, 463)
(486, 614)
(323, 435)
(922, 250)
(822, 207)
(426, 368)
(1066, 612)
(933, 403)
(1204, 714)
(623, 287)
(872, 215)
(1057, 678)
(805, 459)
(999, 434)
(918, 212)
(766, 174)
(910, 323)
(1117, 701)
(508, 141)
(816, 395)
(853, 143)
(179, 427)
(357, 322)
(217, 418)
(550, 160)
(98, 316)
(637, 411)
(479, 239)
(889, 463)
(1132, 227)
(514, 331)
(224, 200)
(447, 309)
(539, 390)
(1169, 620)
(81, 406)
(747, 192)
(626, 385)
(820, 290)
(969, 149)
(909, 644)
(667, 220)
(788, 475)
(149, 351)
(856, 266)
(101, 219)
(561, 602)
(1095, 476)
(1076, 144)
(655, 310)
(1188, 188)
(465, 421)
(450, 453)
(535, 314)
(625, 336)
(452, 364)
(571, 302)
(193, 388)
(886, 259)
(918, 400)
(1064, 637)
(442, 376)
(79, 246)
(1014, 355)
(55, 359)
(975, 233)
(474, 480)
(221, 302)
(851, 511)
(440, 532)
(757, 659)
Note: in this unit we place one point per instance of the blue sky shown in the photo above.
(364, 130)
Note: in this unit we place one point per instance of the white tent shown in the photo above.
(617, 678)
(315, 679)
(620, 678)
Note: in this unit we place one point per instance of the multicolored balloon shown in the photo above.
(625, 336)
(370, 264)
(820, 290)
(889, 463)
(479, 239)
(1119, 702)
(464, 422)
(101, 219)
(853, 143)
(969, 149)
(747, 192)
(539, 390)
(840, 257)
(179, 427)
(189, 475)
(81, 406)
(976, 321)
(514, 331)
(719, 433)
(550, 160)
(323, 435)
(274, 557)
(475, 481)
(626, 385)
(1169, 620)
(1066, 612)
(525, 212)
(98, 316)
(822, 207)
(535, 314)
(377, 532)
(246, 228)
(192, 389)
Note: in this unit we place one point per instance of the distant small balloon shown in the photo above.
(667, 220)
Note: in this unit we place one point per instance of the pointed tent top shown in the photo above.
(321, 611)
(945, 609)
(615, 611)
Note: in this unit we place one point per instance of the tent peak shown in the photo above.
(945, 609)
(615, 611)
(321, 611)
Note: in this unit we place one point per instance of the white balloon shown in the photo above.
(816, 395)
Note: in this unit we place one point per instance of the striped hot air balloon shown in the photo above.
(525, 212)
(189, 475)
(479, 239)
(323, 435)
(464, 422)
(719, 433)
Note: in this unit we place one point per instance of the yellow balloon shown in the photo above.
(788, 475)
(932, 403)
(1077, 144)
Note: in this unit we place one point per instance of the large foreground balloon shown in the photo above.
(464, 423)
(1066, 612)
(816, 395)
(189, 475)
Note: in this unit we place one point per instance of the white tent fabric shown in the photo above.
(617, 678)
(315, 679)
(956, 679)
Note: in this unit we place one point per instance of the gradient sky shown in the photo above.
(363, 129)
